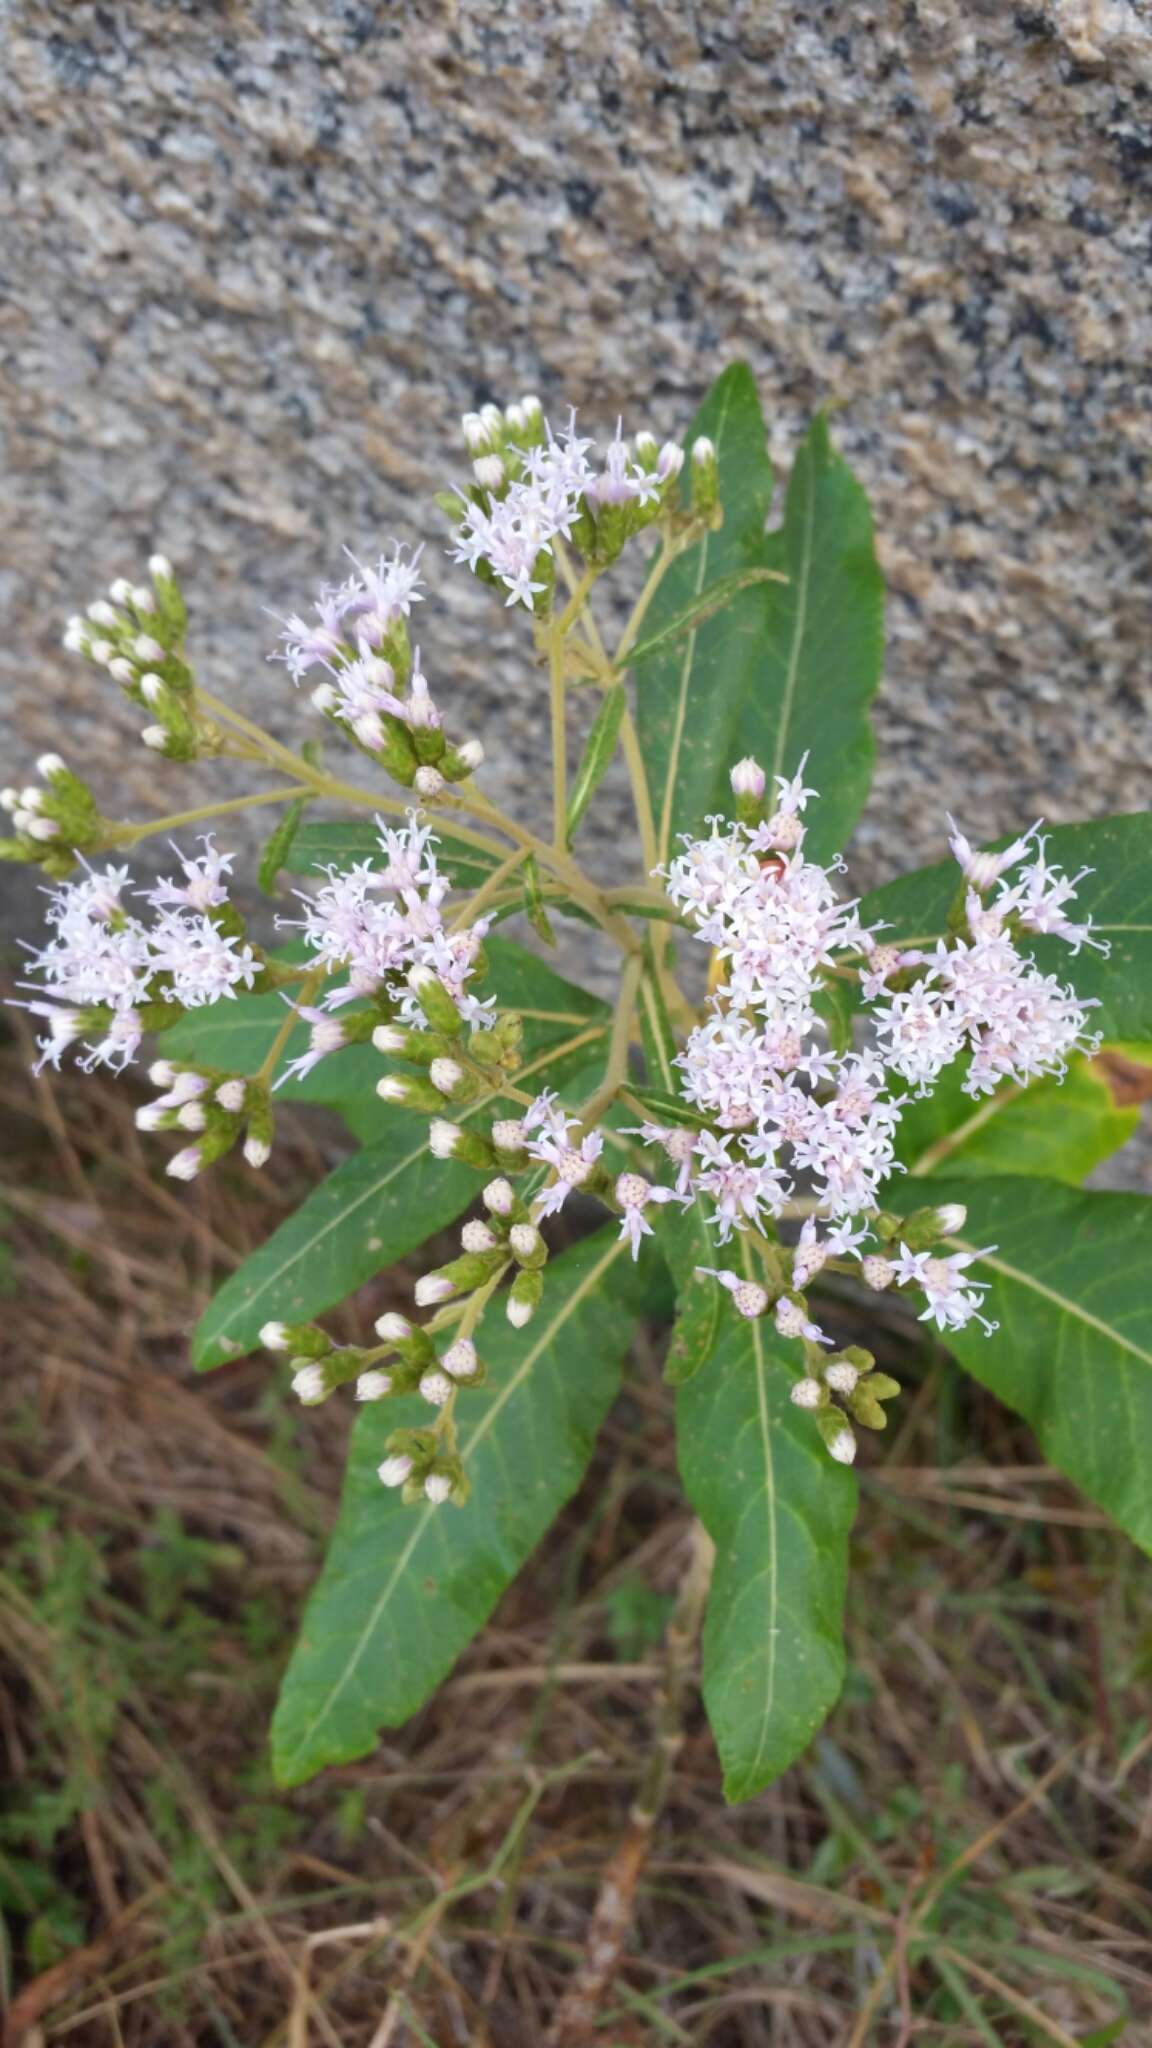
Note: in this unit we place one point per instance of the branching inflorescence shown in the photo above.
(780, 1115)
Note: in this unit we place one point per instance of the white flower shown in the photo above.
(393, 1328)
(843, 1446)
(373, 1386)
(791, 1321)
(203, 887)
(806, 1393)
(983, 869)
(748, 1297)
(461, 1359)
(364, 608)
(634, 1194)
(437, 1488)
(952, 1300)
(571, 1164)
(395, 1470)
(310, 1385)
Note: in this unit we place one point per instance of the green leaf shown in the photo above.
(823, 653)
(1055, 1130)
(703, 607)
(381, 1204)
(779, 1511)
(533, 906)
(370, 1211)
(784, 667)
(598, 751)
(1117, 896)
(278, 847)
(684, 1230)
(404, 1590)
(1069, 1285)
(341, 842)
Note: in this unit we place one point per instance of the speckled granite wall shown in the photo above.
(258, 256)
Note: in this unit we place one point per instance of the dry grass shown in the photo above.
(961, 1857)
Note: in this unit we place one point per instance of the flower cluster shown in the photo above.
(979, 993)
(137, 634)
(374, 688)
(532, 487)
(377, 924)
(106, 971)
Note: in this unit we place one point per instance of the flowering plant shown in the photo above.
(856, 1113)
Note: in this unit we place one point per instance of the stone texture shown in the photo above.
(258, 257)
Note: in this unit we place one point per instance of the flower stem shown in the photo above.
(125, 833)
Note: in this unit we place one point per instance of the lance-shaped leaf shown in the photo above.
(404, 1590)
(371, 1210)
(279, 846)
(1056, 1129)
(779, 1511)
(783, 668)
(699, 609)
(1070, 1283)
(598, 751)
(1117, 896)
(684, 1229)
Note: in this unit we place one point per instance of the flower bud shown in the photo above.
(42, 829)
(489, 472)
(395, 1470)
(160, 569)
(257, 1150)
(393, 1328)
(428, 782)
(447, 1075)
(951, 1218)
(526, 1243)
(162, 1073)
(191, 1116)
(435, 1001)
(471, 754)
(103, 614)
(438, 1487)
(390, 1038)
(499, 1197)
(476, 1237)
(432, 1288)
(274, 1336)
(807, 1393)
(145, 648)
(524, 1296)
(310, 1385)
(837, 1435)
(436, 1388)
(750, 1299)
(155, 736)
(49, 766)
(705, 477)
(508, 1134)
(841, 1376)
(878, 1273)
(230, 1095)
(185, 1165)
(443, 1138)
(461, 1359)
(748, 778)
(373, 1386)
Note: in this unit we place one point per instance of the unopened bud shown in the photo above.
(750, 1299)
(49, 766)
(951, 1217)
(373, 1386)
(432, 1288)
(878, 1273)
(489, 472)
(436, 1388)
(434, 999)
(471, 754)
(230, 1095)
(476, 1237)
(395, 1470)
(748, 778)
(527, 1244)
(841, 1377)
(310, 1385)
(447, 1075)
(524, 1296)
(185, 1165)
(160, 568)
(437, 1488)
(156, 737)
(274, 1336)
(499, 1197)
(461, 1359)
(389, 1038)
(393, 1328)
(257, 1151)
(807, 1393)
(428, 782)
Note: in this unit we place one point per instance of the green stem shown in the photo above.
(489, 889)
(308, 988)
(616, 1066)
(124, 833)
(559, 731)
